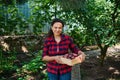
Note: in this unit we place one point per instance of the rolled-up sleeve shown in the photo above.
(73, 47)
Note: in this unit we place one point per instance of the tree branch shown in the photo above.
(98, 42)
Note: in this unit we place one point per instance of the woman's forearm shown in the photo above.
(48, 58)
(52, 58)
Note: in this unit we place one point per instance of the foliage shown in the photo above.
(34, 67)
(95, 22)
(69, 5)
(12, 2)
(100, 22)
(12, 63)
(80, 37)
(6, 60)
(103, 23)
(40, 14)
(105, 30)
(13, 22)
(7, 63)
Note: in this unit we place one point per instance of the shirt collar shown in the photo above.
(62, 37)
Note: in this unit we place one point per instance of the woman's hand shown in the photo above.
(81, 55)
(58, 59)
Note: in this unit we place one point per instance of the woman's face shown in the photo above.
(57, 28)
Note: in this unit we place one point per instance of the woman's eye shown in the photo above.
(55, 27)
(60, 28)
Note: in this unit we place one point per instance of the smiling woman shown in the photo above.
(57, 29)
(56, 23)
(56, 46)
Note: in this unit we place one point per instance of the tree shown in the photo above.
(106, 25)
(14, 22)
(101, 21)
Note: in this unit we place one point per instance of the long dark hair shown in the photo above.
(50, 33)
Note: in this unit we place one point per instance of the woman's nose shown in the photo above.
(57, 29)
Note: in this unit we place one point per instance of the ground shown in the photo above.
(91, 69)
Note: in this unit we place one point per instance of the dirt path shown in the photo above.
(91, 70)
(110, 51)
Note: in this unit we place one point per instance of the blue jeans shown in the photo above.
(66, 76)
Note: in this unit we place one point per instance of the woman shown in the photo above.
(56, 46)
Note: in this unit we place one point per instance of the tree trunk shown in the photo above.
(103, 54)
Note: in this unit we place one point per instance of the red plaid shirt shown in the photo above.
(51, 48)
